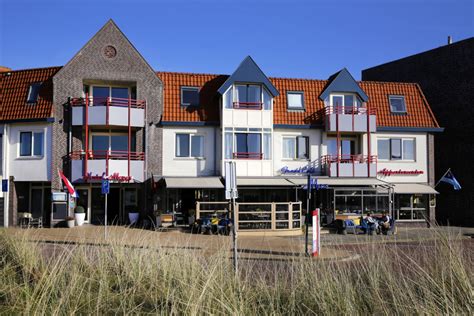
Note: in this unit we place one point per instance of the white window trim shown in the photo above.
(295, 137)
(193, 88)
(190, 157)
(402, 97)
(32, 156)
(298, 109)
(403, 159)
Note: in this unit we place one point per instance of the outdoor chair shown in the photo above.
(350, 226)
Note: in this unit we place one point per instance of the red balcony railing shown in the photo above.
(108, 101)
(327, 159)
(242, 155)
(248, 105)
(107, 154)
(349, 110)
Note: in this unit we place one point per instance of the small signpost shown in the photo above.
(231, 194)
(316, 234)
(105, 190)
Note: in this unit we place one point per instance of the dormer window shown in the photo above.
(397, 104)
(345, 103)
(295, 100)
(189, 96)
(33, 92)
(248, 96)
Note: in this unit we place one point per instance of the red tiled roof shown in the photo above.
(418, 111)
(14, 86)
(208, 111)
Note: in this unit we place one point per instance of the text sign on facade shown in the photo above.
(230, 181)
(316, 233)
(105, 186)
(4, 185)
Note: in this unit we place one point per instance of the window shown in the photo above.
(247, 143)
(248, 95)
(267, 100)
(188, 145)
(189, 96)
(397, 104)
(113, 142)
(411, 206)
(295, 100)
(345, 103)
(396, 149)
(296, 147)
(347, 147)
(383, 149)
(31, 144)
(100, 94)
(33, 92)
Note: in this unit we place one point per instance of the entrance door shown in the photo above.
(97, 206)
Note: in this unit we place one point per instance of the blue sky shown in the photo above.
(304, 39)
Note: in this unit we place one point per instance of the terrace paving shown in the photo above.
(250, 247)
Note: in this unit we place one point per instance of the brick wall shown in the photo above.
(446, 76)
(91, 63)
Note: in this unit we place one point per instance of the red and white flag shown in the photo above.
(68, 184)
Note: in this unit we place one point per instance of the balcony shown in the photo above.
(350, 119)
(118, 166)
(349, 165)
(108, 111)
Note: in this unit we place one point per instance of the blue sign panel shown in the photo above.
(5, 185)
(105, 186)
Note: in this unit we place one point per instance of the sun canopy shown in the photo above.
(413, 188)
(193, 183)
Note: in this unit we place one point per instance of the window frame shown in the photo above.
(233, 131)
(400, 97)
(109, 136)
(402, 151)
(303, 105)
(296, 147)
(29, 100)
(190, 144)
(31, 154)
(189, 88)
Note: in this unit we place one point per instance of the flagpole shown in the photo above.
(449, 169)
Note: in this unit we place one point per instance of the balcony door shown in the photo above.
(347, 147)
(113, 142)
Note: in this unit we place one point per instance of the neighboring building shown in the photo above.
(163, 138)
(446, 75)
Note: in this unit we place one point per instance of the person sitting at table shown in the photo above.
(371, 224)
(384, 223)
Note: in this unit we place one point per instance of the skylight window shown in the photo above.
(295, 100)
(397, 104)
(33, 92)
(189, 96)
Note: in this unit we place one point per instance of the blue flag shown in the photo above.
(449, 178)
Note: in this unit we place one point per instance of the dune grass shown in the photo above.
(426, 278)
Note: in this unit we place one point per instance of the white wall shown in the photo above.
(420, 163)
(29, 168)
(314, 148)
(190, 167)
(3, 158)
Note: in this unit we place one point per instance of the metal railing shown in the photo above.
(107, 154)
(249, 155)
(327, 159)
(108, 101)
(349, 110)
(248, 105)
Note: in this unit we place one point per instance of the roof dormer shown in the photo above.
(248, 72)
(343, 82)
